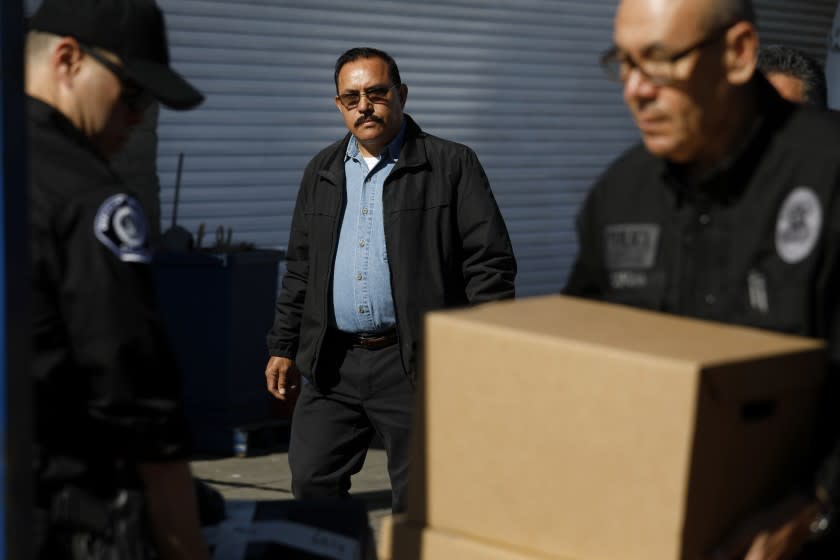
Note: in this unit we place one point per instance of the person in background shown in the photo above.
(112, 479)
(728, 210)
(390, 222)
(796, 76)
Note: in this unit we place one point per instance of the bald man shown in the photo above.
(726, 210)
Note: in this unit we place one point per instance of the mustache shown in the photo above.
(364, 118)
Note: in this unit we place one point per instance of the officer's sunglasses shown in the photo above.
(132, 95)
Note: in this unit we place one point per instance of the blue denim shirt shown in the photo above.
(362, 299)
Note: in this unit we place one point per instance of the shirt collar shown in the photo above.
(391, 151)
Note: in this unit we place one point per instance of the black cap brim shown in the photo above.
(164, 84)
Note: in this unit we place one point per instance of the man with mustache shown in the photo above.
(390, 222)
(728, 210)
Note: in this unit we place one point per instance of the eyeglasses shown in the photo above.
(379, 94)
(660, 71)
(132, 95)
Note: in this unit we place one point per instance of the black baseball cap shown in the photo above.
(134, 30)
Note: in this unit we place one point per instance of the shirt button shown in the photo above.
(361, 309)
(704, 219)
(359, 276)
(364, 211)
(710, 299)
(362, 243)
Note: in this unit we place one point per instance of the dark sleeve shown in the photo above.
(284, 335)
(587, 271)
(125, 371)
(488, 264)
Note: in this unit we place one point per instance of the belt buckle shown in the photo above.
(368, 340)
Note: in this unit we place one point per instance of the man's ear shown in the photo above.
(66, 61)
(403, 92)
(741, 53)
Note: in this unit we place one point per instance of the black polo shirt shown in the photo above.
(107, 391)
(755, 242)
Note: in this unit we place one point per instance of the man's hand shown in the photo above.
(281, 377)
(778, 533)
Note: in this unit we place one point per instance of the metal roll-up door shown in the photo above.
(804, 25)
(517, 80)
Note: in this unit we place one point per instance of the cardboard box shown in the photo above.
(584, 430)
(385, 542)
(415, 542)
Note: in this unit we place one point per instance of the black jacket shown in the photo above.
(446, 240)
(756, 242)
(106, 386)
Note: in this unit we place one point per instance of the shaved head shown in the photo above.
(720, 13)
(708, 15)
(708, 50)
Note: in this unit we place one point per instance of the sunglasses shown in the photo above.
(133, 96)
(379, 94)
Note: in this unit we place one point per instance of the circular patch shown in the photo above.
(121, 226)
(798, 225)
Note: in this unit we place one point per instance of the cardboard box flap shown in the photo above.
(633, 331)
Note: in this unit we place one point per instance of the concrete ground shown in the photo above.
(264, 476)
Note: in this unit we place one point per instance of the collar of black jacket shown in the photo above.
(413, 154)
(45, 115)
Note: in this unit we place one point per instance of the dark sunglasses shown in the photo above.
(379, 94)
(132, 95)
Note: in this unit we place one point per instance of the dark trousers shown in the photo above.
(359, 393)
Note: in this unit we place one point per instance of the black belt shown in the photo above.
(370, 341)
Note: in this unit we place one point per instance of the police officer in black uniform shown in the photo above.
(728, 210)
(110, 438)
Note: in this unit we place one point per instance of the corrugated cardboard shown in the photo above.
(414, 542)
(385, 542)
(585, 430)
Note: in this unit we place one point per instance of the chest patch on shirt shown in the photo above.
(121, 226)
(798, 225)
(631, 246)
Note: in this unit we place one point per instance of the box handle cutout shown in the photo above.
(758, 410)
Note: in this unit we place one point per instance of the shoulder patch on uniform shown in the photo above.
(798, 225)
(121, 226)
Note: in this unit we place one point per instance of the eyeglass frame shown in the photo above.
(367, 93)
(610, 58)
(134, 96)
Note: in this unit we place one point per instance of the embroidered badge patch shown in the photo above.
(798, 225)
(631, 246)
(121, 226)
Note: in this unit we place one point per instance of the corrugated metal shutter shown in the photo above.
(517, 80)
(805, 25)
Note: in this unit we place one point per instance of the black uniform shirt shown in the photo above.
(107, 390)
(753, 243)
